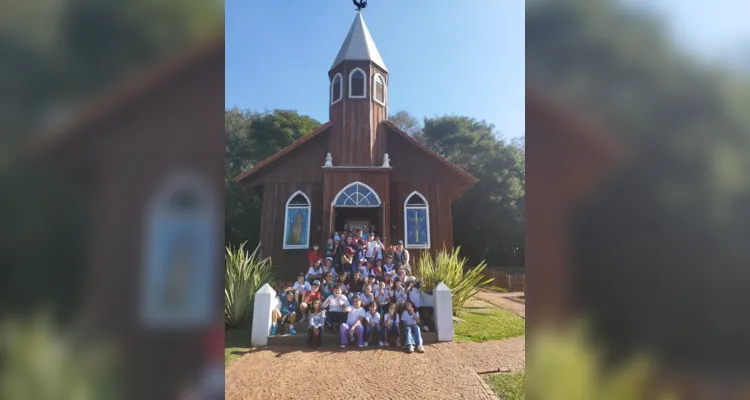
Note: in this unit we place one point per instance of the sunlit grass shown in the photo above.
(236, 344)
(508, 386)
(479, 324)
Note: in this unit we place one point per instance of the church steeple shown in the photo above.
(358, 99)
(359, 46)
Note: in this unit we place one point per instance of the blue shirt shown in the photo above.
(288, 307)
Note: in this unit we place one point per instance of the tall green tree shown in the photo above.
(250, 138)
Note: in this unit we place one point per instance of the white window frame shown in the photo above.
(379, 78)
(341, 192)
(286, 221)
(341, 88)
(364, 82)
(426, 207)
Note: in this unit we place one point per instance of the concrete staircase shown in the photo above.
(331, 339)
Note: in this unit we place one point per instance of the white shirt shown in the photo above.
(367, 300)
(410, 320)
(400, 295)
(391, 319)
(363, 271)
(385, 295)
(333, 303)
(372, 318)
(414, 297)
(389, 269)
(312, 271)
(355, 314)
(371, 247)
(302, 288)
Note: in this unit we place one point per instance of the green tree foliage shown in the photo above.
(496, 233)
(679, 210)
(250, 138)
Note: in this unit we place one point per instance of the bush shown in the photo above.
(451, 269)
(245, 274)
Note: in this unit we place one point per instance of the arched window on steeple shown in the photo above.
(379, 89)
(337, 88)
(357, 84)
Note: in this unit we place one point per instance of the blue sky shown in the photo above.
(444, 57)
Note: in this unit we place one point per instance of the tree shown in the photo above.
(406, 122)
(251, 137)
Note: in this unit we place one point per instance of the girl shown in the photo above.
(399, 273)
(313, 294)
(390, 325)
(389, 266)
(315, 272)
(313, 255)
(399, 294)
(388, 280)
(364, 269)
(328, 267)
(346, 260)
(338, 251)
(384, 296)
(372, 325)
(315, 328)
(410, 318)
(373, 284)
(328, 285)
(353, 325)
(377, 270)
(287, 314)
(336, 303)
(344, 283)
(346, 229)
(367, 297)
(356, 286)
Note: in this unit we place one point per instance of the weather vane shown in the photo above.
(360, 4)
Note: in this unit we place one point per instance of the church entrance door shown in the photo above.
(357, 205)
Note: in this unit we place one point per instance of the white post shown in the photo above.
(262, 315)
(443, 312)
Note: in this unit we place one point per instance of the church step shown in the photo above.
(330, 339)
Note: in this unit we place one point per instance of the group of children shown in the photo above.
(368, 301)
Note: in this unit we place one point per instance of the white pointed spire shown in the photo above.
(359, 46)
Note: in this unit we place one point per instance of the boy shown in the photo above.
(335, 303)
(300, 288)
(307, 300)
(287, 314)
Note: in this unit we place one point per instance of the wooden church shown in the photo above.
(356, 169)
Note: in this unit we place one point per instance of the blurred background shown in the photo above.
(656, 252)
(92, 71)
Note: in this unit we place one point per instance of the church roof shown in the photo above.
(359, 46)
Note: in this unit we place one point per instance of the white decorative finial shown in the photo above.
(329, 160)
(386, 161)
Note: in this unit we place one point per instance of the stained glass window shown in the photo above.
(297, 222)
(416, 222)
(357, 195)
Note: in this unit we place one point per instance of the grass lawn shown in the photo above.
(495, 288)
(236, 343)
(481, 324)
(508, 386)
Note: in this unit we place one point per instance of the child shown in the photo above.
(399, 294)
(412, 292)
(373, 284)
(389, 265)
(287, 314)
(313, 255)
(384, 297)
(344, 283)
(410, 318)
(399, 273)
(346, 260)
(365, 268)
(377, 270)
(300, 288)
(367, 297)
(329, 247)
(372, 325)
(328, 285)
(353, 325)
(391, 323)
(356, 286)
(328, 267)
(315, 272)
(336, 303)
(315, 327)
(388, 279)
(313, 294)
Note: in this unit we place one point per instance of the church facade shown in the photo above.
(357, 169)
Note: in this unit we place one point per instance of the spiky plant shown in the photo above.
(245, 274)
(450, 268)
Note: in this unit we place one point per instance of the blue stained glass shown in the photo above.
(297, 224)
(416, 227)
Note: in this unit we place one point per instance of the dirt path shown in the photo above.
(501, 300)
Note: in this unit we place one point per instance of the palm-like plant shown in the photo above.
(448, 267)
(245, 274)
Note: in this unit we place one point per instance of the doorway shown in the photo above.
(362, 218)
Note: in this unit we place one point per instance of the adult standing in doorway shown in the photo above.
(401, 257)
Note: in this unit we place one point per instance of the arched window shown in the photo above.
(416, 222)
(297, 222)
(357, 84)
(357, 194)
(379, 89)
(181, 241)
(337, 88)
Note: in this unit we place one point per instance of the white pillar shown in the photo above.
(264, 302)
(443, 312)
